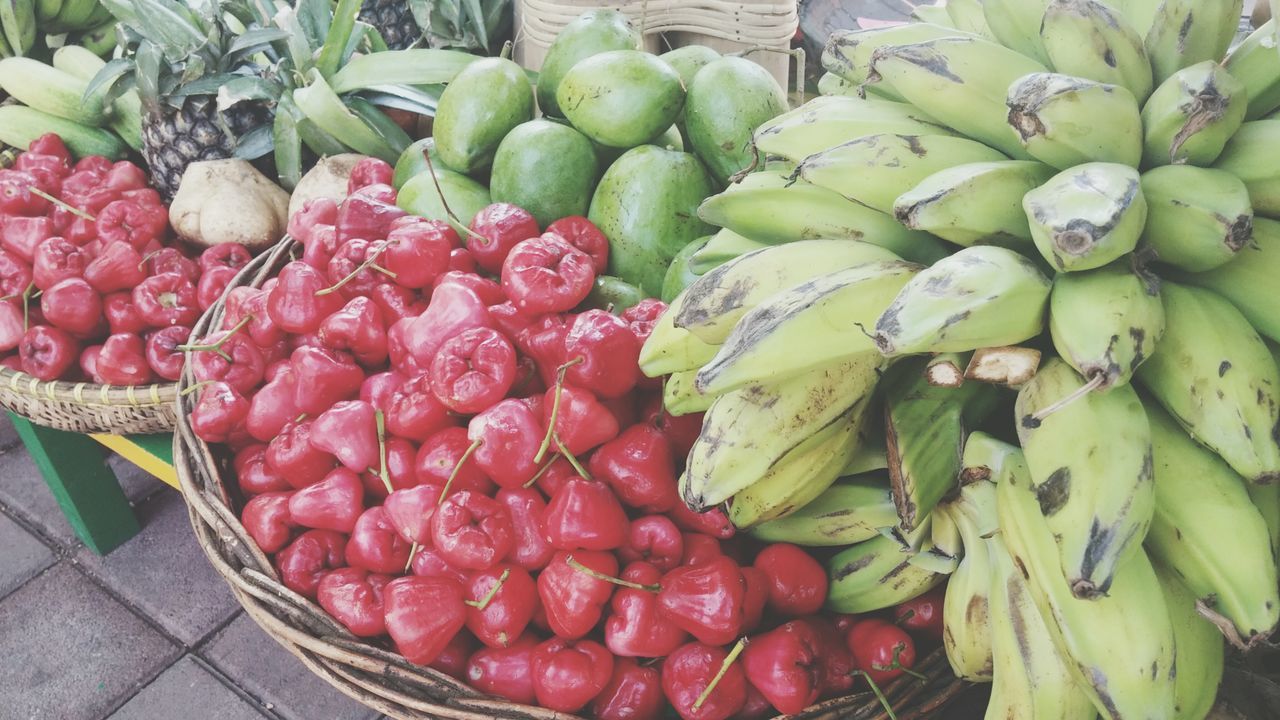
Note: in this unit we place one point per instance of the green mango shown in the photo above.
(546, 168)
(465, 197)
(592, 32)
(727, 100)
(647, 205)
(412, 162)
(671, 139)
(621, 98)
(482, 104)
(613, 294)
(679, 274)
(688, 60)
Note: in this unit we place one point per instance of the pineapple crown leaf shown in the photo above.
(174, 28)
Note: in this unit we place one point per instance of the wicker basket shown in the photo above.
(370, 672)
(86, 407)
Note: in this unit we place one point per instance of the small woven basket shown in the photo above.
(83, 407)
(371, 672)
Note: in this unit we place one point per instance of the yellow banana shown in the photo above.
(680, 397)
(1218, 379)
(1087, 216)
(967, 620)
(720, 248)
(1090, 464)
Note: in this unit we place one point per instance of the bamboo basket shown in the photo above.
(371, 672)
(756, 29)
(83, 407)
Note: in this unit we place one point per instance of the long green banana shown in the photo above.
(975, 203)
(1089, 39)
(848, 512)
(1200, 654)
(1197, 218)
(1192, 115)
(1066, 121)
(875, 574)
(1105, 322)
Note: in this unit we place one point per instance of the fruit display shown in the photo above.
(995, 317)
(33, 27)
(441, 441)
(632, 140)
(90, 287)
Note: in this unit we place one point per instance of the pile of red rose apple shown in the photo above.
(88, 291)
(438, 444)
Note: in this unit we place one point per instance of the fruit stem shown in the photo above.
(413, 552)
(897, 664)
(571, 562)
(555, 410)
(217, 346)
(381, 422)
(483, 603)
(884, 702)
(445, 203)
(1098, 381)
(69, 208)
(369, 262)
(188, 390)
(577, 466)
(444, 492)
(541, 471)
(724, 668)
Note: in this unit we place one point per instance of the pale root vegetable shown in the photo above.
(327, 179)
(229, 201)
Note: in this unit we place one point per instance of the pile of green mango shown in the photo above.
(634, 141)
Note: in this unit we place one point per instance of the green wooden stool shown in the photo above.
(88, 492)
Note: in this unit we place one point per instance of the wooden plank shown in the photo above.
(152, 453)
(85, 488)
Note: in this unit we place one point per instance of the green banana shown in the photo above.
(1087, 216)
(850, 511)
(1091, 40)
(19, 125)
(1256, 64)
(967, 621)
(961, 81)
(1016, 24)
(875, 574)
(1105, 322)
(832, 85)
(720, 248)
(1090, 464)
(982, 296)
(1248, 281)
(1197, 218)
(1247, 155)
(1031, 681)
(1065, 121)
(73, 15)
(1186, 32)
(1207, 530)
(825, 122)
(715, 302)
(18, 23)
(802, 475)
(671, 349)
(925, 430)
(1192, 115)
(1218, 379)
(871, 453)
(1267, 499)
(100, 40)
(802, 211)
(876, 169)
(1199, 656)
(967, 15)
(1141, 14)
(745, 432)
(47, 10)
(811, 325)
(975, 203)
(848, 52)
(1119, 646)
(680, 397)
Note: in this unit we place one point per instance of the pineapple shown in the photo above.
(394, 20)
(449, 24)
(178, 70)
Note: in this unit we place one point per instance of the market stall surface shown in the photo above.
(146, 632)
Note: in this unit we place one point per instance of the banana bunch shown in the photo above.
(54, 99)
(24, 25)
(999, 309)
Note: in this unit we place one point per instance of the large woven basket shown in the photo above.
(372, 673)
(86, 407)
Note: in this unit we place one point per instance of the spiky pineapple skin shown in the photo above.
(394, 21)
(173, 138)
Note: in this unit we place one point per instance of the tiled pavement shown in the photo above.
(148, 632)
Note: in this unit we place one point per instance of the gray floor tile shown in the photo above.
(23, 556)
(164, 572)
(71, 651)
(258, 664)
(8, 436)
(138, 484)
(187, 684)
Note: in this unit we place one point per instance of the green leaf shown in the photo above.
(147, 59)
(208, 85)
(353, 43)
(247, 88)
(405, 97)
(301, 52)
(376, 43)
(335, 43)
(193, 69)
(315, 17)
(401, 67)
(109, 76)
(288, 150)
(385, 127)
(322, 106)
(254, 41)
(255, 143)
(172, 26)
(474, 15)
(122, 10)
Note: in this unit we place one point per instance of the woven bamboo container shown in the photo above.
(83, 407)
(728, 27)
(371, 671)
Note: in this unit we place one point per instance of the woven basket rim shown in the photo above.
(87, 393)
(368, 671)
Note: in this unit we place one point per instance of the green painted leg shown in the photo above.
(84, 486)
